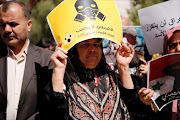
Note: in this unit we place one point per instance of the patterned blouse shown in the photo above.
(97, 100)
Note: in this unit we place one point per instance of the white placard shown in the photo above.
(156, 20)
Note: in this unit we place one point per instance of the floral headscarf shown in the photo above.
(167, 38)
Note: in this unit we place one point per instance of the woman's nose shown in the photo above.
(92, 47)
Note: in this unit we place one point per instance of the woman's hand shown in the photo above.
(59, 59)
(143, 68)
(145, 95)
(124, 56)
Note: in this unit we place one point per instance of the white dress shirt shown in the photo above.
(15, 73)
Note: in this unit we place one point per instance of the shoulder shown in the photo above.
(39, 50)
(40, 55)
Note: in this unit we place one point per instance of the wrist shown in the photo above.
(125, 77)
(57, 85)
(57, 80)
(123, 69)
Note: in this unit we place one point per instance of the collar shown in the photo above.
(10, 52)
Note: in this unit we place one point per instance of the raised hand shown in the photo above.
(143, 68)
(124, 55)
(59, 59)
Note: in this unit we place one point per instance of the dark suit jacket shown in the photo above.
(37, 73)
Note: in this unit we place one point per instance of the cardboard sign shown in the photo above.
(164, 79)
(73, 21)
(156, 20)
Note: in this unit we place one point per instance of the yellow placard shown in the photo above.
(73, 21)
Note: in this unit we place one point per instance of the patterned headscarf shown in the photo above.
(167, 38)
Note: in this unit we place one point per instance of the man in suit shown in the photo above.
(24, 68)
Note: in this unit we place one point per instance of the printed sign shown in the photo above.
(164, 79)
(73, 21)
(156, 20)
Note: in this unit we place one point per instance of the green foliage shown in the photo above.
(139, 4)
(40, 27)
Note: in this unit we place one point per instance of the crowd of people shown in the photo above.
(39, 84)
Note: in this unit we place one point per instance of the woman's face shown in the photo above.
(90, 52)
(174, 45)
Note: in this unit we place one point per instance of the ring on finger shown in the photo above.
(146, 97)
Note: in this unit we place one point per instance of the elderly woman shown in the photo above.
(172, 110)
(83, 85)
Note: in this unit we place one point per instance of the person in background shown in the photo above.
(172, 110)
(84, 87)
(24, 67)
(46, 43)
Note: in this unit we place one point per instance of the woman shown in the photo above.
(92, 88)
(172, 110)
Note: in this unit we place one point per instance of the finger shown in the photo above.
(141, 90)
(144, 61)
(145, 91)
(131, 48)
(62, 53)
(125, 48)
(60, 44)
(141, 94)
(148, 96)
(119, 50)
(141, 68)
(117, 46)
(122, 42)
(58, 48)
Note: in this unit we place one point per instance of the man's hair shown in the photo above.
(6, 5)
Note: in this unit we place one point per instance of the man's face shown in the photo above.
(174, 45)
(90, 52)
(14, 28)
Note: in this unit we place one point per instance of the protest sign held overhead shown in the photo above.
(73, 21)
(156, 20)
